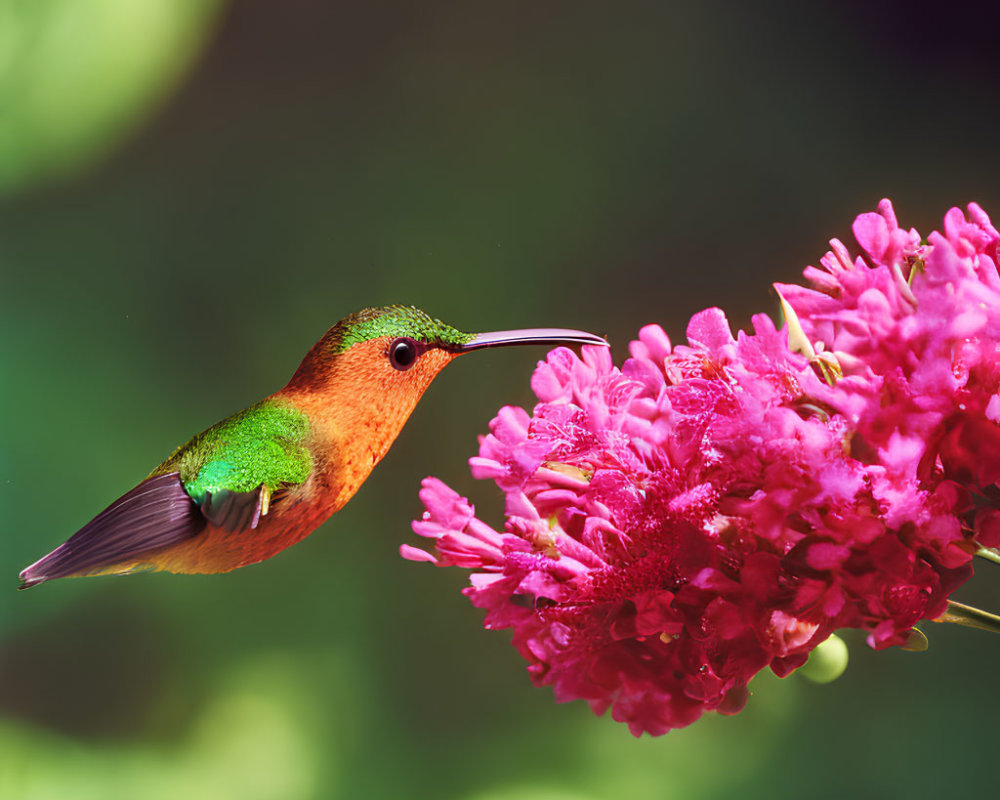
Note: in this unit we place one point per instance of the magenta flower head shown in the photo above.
(711, 509)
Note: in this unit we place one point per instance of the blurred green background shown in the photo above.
(192, 192)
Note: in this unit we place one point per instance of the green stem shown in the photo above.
(989, 553)
(961, 614)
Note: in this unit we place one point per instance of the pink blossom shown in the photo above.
(711, 509)
(917, 334)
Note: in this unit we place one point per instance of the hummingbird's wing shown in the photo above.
(236, 511)
(155, 514)
(225, 476)
(235, 468)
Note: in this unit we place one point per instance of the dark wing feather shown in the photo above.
(234, 511)
(156, 513)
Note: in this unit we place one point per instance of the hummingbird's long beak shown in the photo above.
(550, 336)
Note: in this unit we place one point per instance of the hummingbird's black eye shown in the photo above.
(402, 353)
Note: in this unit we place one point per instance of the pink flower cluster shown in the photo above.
(708, 510)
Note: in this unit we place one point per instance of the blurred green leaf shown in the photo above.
(77, 76)
(260, 737)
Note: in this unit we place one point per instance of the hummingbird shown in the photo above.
(264, 478)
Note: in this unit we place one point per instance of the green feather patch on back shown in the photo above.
(264, 444)
(394, 321)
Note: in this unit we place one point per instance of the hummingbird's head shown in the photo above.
(362, 380)
(400, 349)
(394, 349)
(366, 375)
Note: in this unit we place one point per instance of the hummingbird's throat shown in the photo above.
(360, 407)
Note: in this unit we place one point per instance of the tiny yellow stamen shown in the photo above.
(798, 342)
(569, 469)
(545, 541)
(826, 364)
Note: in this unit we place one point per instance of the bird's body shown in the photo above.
(264, 478)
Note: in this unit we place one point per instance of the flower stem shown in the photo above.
(961, 614)
(989, 553)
